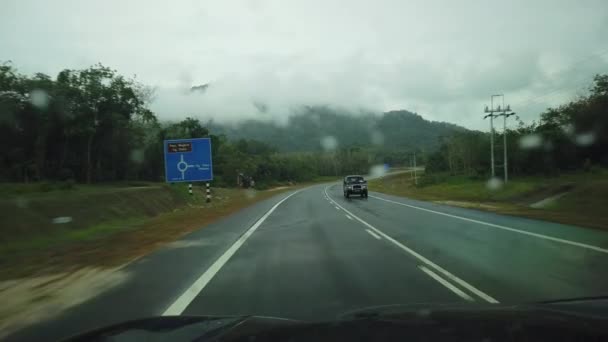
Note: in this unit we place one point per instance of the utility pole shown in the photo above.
(491, 142)
(411, 165)
(415, 177)
(505, 114)
(504, 111)
(491, 115)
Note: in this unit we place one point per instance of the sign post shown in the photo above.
(188, 160)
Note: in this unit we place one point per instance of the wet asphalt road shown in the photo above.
(317, 254)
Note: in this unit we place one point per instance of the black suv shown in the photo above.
(354, 184)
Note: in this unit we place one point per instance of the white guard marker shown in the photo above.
(187, 297)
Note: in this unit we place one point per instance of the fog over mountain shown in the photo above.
(325, 128)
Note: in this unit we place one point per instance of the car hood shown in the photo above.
(428, 321)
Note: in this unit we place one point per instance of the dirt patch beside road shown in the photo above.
(29, 300)
(473, 205)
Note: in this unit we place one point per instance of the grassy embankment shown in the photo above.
(583, 202)
(46, 229)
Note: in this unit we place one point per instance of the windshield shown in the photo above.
(297, 159)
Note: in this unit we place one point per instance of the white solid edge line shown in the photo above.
(446, 283)
(348, 217)
(188, 296)
(373, 234)
(540, 236)
(336, 207)
(424, 260)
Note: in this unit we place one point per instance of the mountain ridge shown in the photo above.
(306, 130)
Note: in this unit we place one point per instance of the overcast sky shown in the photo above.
(442, 59)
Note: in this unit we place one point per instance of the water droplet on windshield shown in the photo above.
(568, 129)
(424, 312)
(377, 138)
(22, 203)
(250, 193)
(316, 119)
(137, 156)
(39, 98)
(530, 141)
(329, 143)
(585, 139)
(62, 219)
(494, 184)
(377, 171)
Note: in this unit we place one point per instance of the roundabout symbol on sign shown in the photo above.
(183, 166)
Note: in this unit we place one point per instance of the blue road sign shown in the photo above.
(188, 160)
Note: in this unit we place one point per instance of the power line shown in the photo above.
(505, 112)
(553, 92)
(524, 103)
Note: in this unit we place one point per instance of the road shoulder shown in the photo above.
(173, 242)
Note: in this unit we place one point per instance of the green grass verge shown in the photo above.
(584, 202)
(67, 188)
(59, 237)
(110, 224)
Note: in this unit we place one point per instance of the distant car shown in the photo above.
(354, 185)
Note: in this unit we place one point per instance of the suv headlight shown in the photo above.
(363, 186)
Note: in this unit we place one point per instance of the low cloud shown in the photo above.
(356, 84)
(442, 59)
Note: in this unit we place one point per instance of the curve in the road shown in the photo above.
(519, 231)
(425, 261)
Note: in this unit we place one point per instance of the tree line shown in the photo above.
(573, 136)
(95, 125)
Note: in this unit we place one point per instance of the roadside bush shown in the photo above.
(477, 175)
(137, 184)
(431, 179)
(66, 174)
(262, 186)
(219, 182)
(587, 165)
(45, 187)
(595, 169)
(68, 184)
